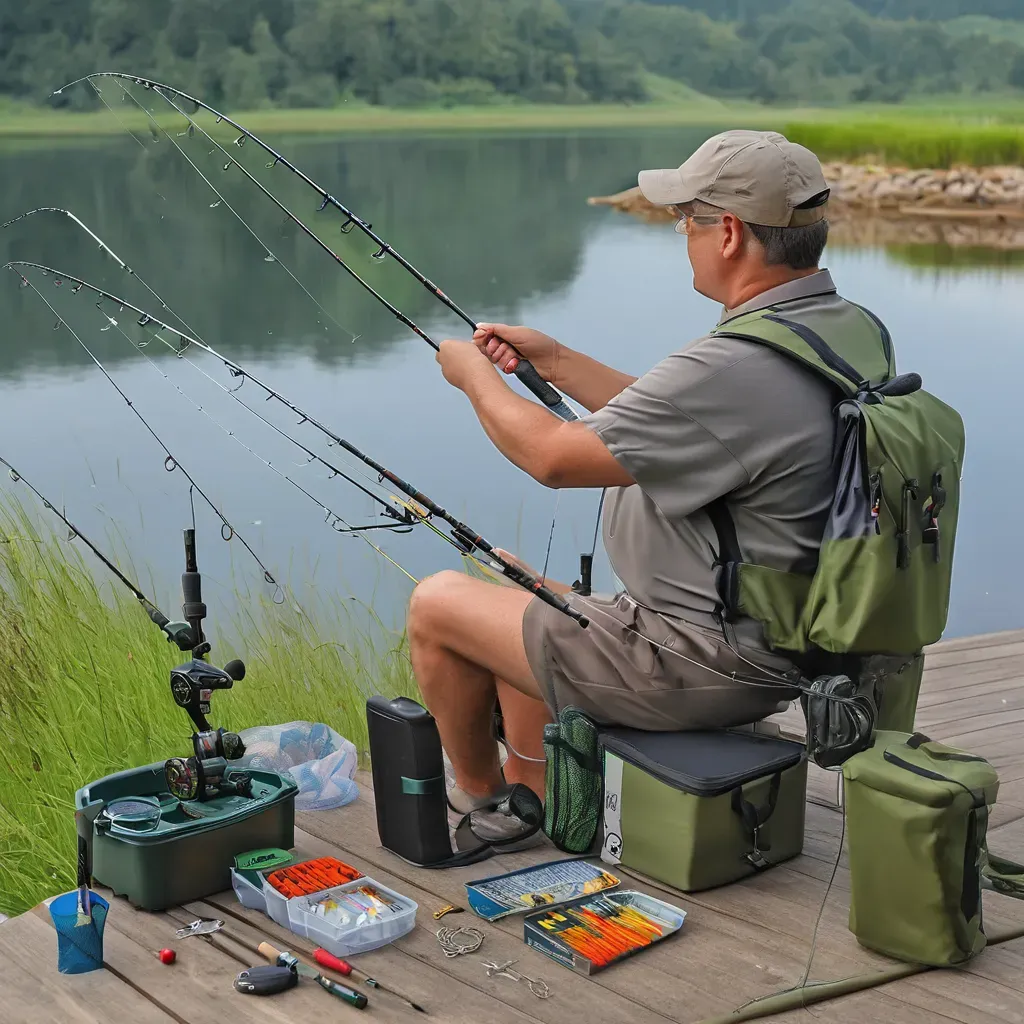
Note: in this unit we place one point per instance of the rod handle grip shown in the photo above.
(533, 381)
(268, 952)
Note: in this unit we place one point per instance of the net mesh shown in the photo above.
(573, 782)
(79, 946)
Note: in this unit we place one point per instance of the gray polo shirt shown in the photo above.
(719, 417)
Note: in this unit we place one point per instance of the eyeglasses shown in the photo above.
(686, 218)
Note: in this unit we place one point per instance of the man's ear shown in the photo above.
(732, 237)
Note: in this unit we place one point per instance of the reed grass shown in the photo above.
(84, 691)
(932, 143)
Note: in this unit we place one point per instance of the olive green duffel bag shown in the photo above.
(917, 817)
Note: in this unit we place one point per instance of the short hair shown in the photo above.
(798, 248)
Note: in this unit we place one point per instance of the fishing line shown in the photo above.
(269, 254)
(180, 352)
(152, 611)
(170, 463)
(463, 537)
(232, 161)
(524, 369)
(332, 516)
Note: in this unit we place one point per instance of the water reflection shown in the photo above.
(499, 222)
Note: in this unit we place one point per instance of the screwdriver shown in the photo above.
(286, 959)
(344, 968)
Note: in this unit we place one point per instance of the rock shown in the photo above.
(990, 192)
(959, 206)
(966, 191)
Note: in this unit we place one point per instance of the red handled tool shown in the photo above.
(344, 968)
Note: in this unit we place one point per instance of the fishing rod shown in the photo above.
(403, 519)
(179, 633)
(462, 537)
(171, 462)
(524, 369)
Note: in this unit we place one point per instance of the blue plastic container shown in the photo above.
(79, 947)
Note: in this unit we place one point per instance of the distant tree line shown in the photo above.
(293, 53)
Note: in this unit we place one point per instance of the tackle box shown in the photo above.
(296, 914)
(189, 855)
(546, 930)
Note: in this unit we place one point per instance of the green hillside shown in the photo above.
(457, 53)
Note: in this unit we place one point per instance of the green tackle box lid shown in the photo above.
(705, 763)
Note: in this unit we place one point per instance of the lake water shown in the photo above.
(502, 224)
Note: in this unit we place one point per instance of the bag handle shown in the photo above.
(1000, 875)
(754, 817)
(938, 751)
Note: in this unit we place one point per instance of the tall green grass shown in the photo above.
(913, 143)
(84, 691)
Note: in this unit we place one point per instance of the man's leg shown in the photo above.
(465, 635)
(525, 719)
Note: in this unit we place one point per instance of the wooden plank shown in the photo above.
(979, 640)
(762, 908)
(656, 980)
(34, 992)
(198, 987)
(456, 989)
(1013, 646)
(940, 685)
(305, 1001)
(985, 699)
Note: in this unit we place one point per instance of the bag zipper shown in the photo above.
(637, 760)
(927, 773)
(903, 537)
(875, 497)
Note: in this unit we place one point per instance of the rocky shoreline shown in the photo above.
(980, 206)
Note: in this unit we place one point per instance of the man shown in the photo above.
(719, 418)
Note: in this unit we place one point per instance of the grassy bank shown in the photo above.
(672, 105)
(913, 142)
(84, 692)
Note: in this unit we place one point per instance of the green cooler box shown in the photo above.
(695, 810)
(190, 854)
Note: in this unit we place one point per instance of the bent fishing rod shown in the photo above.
(524, 369)
(178, 633)
(462, 537)
(171, 461)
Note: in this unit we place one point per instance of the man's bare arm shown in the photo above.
(554, 453)
(586, 381)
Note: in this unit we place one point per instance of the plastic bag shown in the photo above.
(321, 761)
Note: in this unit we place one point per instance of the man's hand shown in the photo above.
(461, 361)
(497, 340)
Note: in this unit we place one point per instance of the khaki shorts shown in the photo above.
(619, 678)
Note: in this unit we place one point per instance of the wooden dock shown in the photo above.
(739, 943)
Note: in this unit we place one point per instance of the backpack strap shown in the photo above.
(727, 559)
(1005, 876)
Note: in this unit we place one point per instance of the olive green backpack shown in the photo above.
(882, 581)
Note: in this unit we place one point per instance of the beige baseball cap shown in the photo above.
(760, 177)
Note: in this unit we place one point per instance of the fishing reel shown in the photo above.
(207, 773)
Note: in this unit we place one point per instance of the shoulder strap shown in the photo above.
(1005, 876)
(857, 331)
(728, 557)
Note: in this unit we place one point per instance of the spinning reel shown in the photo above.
(207, 773)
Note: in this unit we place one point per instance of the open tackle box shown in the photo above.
(323, 900)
